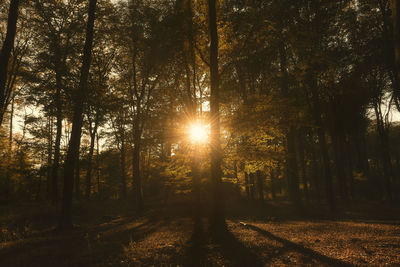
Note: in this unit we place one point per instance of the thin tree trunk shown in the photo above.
(322, 141)
(338, 148)
(273, 183)
(56, 162)
(90, 158)
(196, 187)
(384, 151)
(316, 188)
(218, 216)
(49, 155)
(74, 143)
(98, 165)
(292, 170)
(327, 168)
(349, 152)
(5, 53)
(397, 181)
(246, 183)
(302, 160)
(252, 187)
(10, 140)
(123, 169)
(260, 186)
(137, 179)
(77, 179)
(277, 174)
(396, 46)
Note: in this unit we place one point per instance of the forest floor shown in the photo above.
(108, 233)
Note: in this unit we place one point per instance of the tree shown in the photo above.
(80, 100)
(6, 52)
(395, 4)
(218, 216)
(56, 51)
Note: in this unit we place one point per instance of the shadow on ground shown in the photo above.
(97, 245)
(217, 248)
(306, 252)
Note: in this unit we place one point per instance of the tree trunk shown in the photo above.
(218, 216)
(397, 181)
(56, 162)
(251, 186)
(326, 164)
(260, 186)
(316, 188)
(338, 148)
(246, 184)
(123, 169)
(5, 53)
(77, 178)
(9, 156)
(386, 160)
(74, 143)
(196, 186)
(302, 160)
(292, 170)
(348, 157)
(98, 165)
(49, 156)
(273, 183)
(90, 159)
(322, 141)
(137, 179)
(396, 46)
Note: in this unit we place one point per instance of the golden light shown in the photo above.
(199, 132)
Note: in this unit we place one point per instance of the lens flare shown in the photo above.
(198, 133)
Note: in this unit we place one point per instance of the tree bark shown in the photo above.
(49, 155)
(316, 188)
(218, 216)
(137, 179)
(322, 141)
(383, 139)
(396, 45)
(338, 148)
(273, 183)
(292, 169)
(5, 53)
(57, 143)
(92, 132)
(325, 155)
(260, 186)
(246, 184)
(9, 156)
(74, 143)
(302, 160)
(77, 178)
(123, 169)
(251, 186)
(98, 165)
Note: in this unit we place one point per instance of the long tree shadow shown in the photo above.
(76, 247)
(325, 260)
(233, 250)
(196, 251)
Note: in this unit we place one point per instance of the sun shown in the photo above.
(198, 132)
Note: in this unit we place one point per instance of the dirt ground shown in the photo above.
(110, 234)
